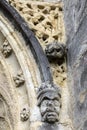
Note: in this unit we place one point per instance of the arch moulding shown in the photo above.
(23, 67)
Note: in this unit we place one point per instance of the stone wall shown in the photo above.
(46, 21)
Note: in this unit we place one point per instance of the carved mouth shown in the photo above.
(51, 115)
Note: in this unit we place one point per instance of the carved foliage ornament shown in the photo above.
(19, 79)
(24, 115)
(49, 102)
(6, 49)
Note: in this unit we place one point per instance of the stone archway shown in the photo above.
(21, 70)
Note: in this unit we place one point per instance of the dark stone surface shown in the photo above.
(76, 23)
(21, 26)
(56, 52)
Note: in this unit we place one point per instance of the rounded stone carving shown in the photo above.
(55, 51)
(24, 115)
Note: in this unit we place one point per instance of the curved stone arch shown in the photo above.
(7, 95)
(30, 39)
(29, 58)
(4, 110)
(19, 54)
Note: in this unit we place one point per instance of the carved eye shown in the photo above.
(56, 103)
(51, 50)
(44, 103)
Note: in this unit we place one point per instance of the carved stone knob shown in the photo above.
(24, 114)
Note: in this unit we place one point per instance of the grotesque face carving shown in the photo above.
(50, 109)
(49, 102)
(55, 51)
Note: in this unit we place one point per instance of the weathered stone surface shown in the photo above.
(26, 57)
(15, 99)
(76, 22)
(46, 21)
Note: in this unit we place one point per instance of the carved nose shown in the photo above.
(50, 103)
(58, 50)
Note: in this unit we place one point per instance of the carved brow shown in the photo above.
(45, 98)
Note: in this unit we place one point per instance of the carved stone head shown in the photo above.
(55, 50)
(49, 101)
